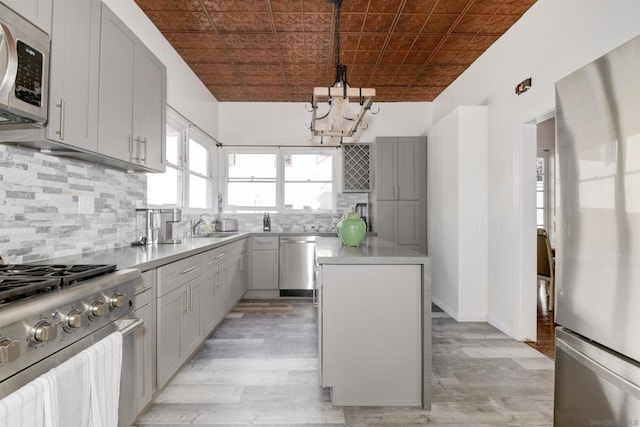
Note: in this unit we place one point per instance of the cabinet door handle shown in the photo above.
(144, 141)
(137, 147)
(188, 270)
(222, 255)
(61, 106)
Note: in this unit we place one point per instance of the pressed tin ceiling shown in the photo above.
(278, 50)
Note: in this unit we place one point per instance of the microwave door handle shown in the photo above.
(8, 47)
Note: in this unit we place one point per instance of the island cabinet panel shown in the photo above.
(372, 334)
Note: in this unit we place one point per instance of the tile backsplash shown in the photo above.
(53, 206)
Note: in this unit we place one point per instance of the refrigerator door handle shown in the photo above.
(600, 370)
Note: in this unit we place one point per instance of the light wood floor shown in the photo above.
(260, 368)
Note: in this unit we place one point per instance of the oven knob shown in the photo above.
(44, 331)
(74, 319)
(97, 309)
(117, 300)
(9, 350)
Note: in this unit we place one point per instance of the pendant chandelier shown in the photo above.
(339, 121)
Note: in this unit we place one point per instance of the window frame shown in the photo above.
(188, 131)
(280, 153)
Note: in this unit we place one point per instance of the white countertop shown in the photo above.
(330, 250)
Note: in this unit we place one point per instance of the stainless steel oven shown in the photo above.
(24, 72)
(50, 313)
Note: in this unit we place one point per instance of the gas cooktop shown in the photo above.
(18, 281)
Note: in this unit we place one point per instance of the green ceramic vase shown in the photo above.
(352, 229)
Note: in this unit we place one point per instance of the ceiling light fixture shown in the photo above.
(339, 121)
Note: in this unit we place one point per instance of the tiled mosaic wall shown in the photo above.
(53, 206)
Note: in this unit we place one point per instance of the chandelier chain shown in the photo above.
(336, 33)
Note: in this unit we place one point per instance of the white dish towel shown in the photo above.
(24, 407)
(105, 365)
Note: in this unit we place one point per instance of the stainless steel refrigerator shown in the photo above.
(597, 376)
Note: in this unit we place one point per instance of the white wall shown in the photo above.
(287, 123)
(551, 40)
(457, 219)
(185, 92)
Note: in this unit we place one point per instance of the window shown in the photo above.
(280, 179)
(188, 179)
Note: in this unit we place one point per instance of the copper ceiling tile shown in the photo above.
(254, 56)
(288, 21)
(214, 69)
(260, 69)
(366, 57)
(251, 5)
(291, 41)
(451, 6)
(180, 21)
(256, 21)
(286, 5)
(482, 42)
(401, 42)
(378, 22)
(318, 41)
(185, 5)
(439, 24)
(456, 42)
(227, 22)
(484, 7)
(219, 5)
(470, 24)
(429, 42)
(384, 6)
(372, 41)
(194, 40)
(417, 57)
(410, 23)
(293, 56)
(515, 7)
(249, 41)
(355, 5)
(318, 22)
(443, 57)
(240, 48)
(317, 6)
(499, 24)
(352, 22)
(393, 56)
(419, 6)
(212, 56)
(261, 80)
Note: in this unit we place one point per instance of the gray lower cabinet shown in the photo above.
(144, 341)
(264, 262)
(179, 331)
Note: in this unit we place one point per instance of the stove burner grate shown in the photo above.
(67, 274)
(14, 288)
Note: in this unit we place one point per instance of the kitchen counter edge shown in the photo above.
(329, 250)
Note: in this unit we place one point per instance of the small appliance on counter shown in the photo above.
(362, 210)
(226, 224)
(155, 226)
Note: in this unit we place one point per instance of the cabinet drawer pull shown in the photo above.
(141, 290)
(188, 270)
(61, 131)
(222, 255)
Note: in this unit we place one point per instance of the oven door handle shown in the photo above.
(126, 326)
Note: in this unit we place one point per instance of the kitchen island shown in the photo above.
(374, 323)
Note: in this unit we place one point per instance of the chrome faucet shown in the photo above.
(195, 225)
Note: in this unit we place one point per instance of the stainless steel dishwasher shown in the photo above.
(297, 258)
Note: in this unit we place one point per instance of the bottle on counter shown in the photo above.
(266, 222)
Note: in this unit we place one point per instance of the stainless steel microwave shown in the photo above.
(24, 72)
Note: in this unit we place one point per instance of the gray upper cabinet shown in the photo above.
(397, 168)
(132, 97)
(37, 12)
(75, 56)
